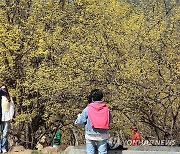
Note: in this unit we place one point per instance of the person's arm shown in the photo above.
(110, 117)
(11, 111)
(82, 118)
(2, 92)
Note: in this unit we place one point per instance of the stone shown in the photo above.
(49, 150)
(28, 151)
(17, 148)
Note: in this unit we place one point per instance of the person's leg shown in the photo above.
(102, 147)
(1, 130)
(5, 136)
(90, 147)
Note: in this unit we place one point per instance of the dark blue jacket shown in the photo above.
(2, 93)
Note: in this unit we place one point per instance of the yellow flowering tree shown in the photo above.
(52, 58)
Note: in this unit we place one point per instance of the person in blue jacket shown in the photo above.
(96, 118)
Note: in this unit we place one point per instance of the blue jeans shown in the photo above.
(101, 146)
(4, 127)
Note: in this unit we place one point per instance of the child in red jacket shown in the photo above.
(135, 139)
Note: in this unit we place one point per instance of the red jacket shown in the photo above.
(135, 139)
